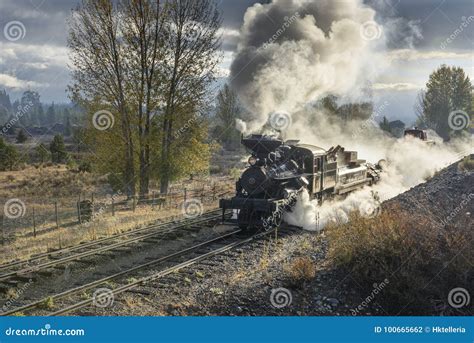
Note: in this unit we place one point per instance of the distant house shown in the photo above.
(397, 128)
(37, 130)
(58, 128)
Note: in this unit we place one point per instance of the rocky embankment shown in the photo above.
(446, 199)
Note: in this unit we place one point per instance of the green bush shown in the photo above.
(85, 167)
(58, 150)
(8, 156)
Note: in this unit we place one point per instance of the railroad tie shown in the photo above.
(46, 273)
(12, 282)
(86, 262)
(122, 250)
(24, 277)
(192, 228)
(138, 291)
(152, 240)
(56, 256)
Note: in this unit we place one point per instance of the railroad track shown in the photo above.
(27, 268)
(125, 280)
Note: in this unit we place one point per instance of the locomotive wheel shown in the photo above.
(246, 219)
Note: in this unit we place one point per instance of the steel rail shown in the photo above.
(105, 239)
(74, 257)
(164, 272)
(122, 273)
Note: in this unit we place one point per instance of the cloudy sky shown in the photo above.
(33, 53)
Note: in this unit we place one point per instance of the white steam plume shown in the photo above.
(410, 162)
(291, 54)
(295, 51)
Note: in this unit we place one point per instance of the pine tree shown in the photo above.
(41, 116)
(21, 137)
(67, 125)
(5, 101)
(29, 103)
(42, 152)
(227, 112)
(384, 125)
(51, 115)
(58, 150)
(8, 156)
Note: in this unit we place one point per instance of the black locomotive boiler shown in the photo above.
(279, 170)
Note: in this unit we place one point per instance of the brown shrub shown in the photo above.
(422, 262)
(300, 270)
(467, 163)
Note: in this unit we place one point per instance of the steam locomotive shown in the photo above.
(279, 170)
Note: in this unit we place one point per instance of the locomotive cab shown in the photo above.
(420, 134)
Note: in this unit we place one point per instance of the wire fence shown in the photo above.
(30, 217)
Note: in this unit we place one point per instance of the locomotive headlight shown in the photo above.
(252, 160)
(304, 181)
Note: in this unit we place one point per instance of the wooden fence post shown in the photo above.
(133, 203)
(92, 203)
(185, 194)
(113, 206)
(79, 212)
(56, 214)
(3, 230)
(153, 201)
(34, 223)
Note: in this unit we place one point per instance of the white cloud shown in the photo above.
(13, 82)
(397, 86)
(50, 54)
(230, 38)
(228, 33)
(37, 65)
(413, 55)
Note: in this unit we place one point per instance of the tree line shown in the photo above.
(29, 111)
(56, 152)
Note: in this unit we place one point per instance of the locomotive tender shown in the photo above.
(279, 170)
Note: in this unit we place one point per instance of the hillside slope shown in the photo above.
(445, 199)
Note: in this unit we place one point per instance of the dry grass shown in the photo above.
(275, 254)
(47, 304)
(422, 263)
(48, 181)
(23, 246)
(131, 301)
(300, 270)
(38, 187)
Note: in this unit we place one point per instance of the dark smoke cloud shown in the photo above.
(293, 51)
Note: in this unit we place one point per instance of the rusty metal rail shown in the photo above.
(43, 261)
